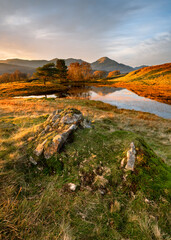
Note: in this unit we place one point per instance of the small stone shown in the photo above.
(146, 200)
(32, 160)
(86, 123)
(72, 186)
(102, 191)
(40, 168)
(39, 150)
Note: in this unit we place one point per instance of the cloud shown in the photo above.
(83, 29)
(155, 50)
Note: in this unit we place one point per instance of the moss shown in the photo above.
(34, 199)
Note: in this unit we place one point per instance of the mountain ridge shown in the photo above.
(103, 63)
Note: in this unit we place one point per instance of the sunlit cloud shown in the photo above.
(133, 32)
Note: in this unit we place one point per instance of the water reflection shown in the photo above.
(129, 100)
(122, 98)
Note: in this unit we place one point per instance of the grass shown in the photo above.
(152, 82)
(19, 88)
(36, 204)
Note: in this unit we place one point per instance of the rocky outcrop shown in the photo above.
(56, 130)
(130, 160)
(131, 157)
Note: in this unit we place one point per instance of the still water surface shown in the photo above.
(120, 97)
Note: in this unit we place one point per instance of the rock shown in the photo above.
(147, 201)
(58, 141)
(123, 162)
(86, 123)
(72, 186)
(55, 117)
(39, 150)
(32, 160)
(70, 119)
(47, 128)
(57, 129)
(102, 191)
(131, 158)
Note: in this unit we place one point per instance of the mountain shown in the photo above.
(26, 63)
(107, 64)
(68, 61)
(104, 64)
(9, 68)
(139, 67)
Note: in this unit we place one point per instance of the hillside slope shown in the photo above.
(153, 82)
(108, 202)
(107, 64)
(154, 75)
(26, 63)
(104, 63)
(10, 68)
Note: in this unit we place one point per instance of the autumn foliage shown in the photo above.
(13, 77)
(113, 74)
(99, 74)
(79, 72)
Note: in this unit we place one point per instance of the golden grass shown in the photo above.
(153, 82)
(154, 129)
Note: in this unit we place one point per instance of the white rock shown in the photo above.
(32, 160)
(38, 151)
(131, 158)
(72, 186)
(122, 162)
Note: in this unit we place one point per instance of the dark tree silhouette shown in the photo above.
(46, 72)
(62, 69)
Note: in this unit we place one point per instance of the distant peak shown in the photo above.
(103, 59)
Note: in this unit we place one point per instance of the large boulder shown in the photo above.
(56, 130)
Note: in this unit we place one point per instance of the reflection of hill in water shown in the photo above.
(82, 91)
(75, 91)
(102, 91)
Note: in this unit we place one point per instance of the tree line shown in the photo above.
(13, 77)
(75, 72)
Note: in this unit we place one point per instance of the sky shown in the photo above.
(132, 32)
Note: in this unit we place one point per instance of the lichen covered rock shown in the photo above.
(131, 157)
(55, 131)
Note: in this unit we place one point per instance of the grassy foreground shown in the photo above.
(35, 203)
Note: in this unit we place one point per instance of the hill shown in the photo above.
(85, 191)
(104, 63)
(10, 68)
(138, 67)
(153, 82)
(26, 63)
(159, 75)
(107, 64)
(68, 61)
